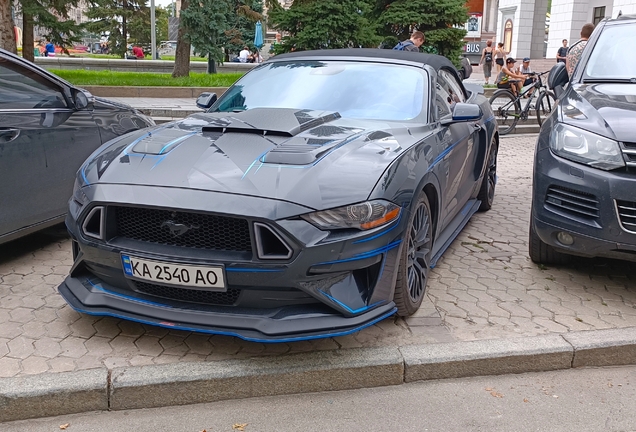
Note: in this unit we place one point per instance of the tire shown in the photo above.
(545, 104)
(461, 74)
(506, 110)
(542, 253)
(415, 259)
(487, 190)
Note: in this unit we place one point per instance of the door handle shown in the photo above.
(8, 134)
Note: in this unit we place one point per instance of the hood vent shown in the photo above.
(272, 121)
(93, 225)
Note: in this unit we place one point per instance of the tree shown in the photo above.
(319, 24)
(139, 28)
(7, 35)
(206, 22)
(112, 17)
(182, 54)
(241, 18)
(438, 19)
(51, 16)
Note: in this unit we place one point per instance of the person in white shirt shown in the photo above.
(244, 55)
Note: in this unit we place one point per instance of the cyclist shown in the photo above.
(508, 78)
(530, 77)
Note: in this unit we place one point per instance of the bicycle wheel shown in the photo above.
(545, 104)
(506, 110)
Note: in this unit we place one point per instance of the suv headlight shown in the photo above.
(586, 147)
(363, 216)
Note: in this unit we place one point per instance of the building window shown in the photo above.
(599, 14)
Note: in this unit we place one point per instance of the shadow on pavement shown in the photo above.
(33, 242)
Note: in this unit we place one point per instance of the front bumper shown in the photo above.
(331, 285)
(275, 325)
(582, 201)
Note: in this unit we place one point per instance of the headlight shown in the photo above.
(362, 216)
(586, 147)
(78, 195)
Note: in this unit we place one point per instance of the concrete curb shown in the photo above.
(188, 383)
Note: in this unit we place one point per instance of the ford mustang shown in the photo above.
(310, 200)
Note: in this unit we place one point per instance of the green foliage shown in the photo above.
(206, 22)
(241, 17)
(436, 18)
(81, 77)
(320, 24)
(139, 30)
(52, 16)
(113, 17)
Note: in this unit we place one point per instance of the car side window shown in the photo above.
(453, 85)
(446, 99)
(21, 88)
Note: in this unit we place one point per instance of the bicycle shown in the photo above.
(507, 106)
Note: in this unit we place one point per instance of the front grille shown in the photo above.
(193, 230)
(572, 202)
(227, 298)
(629, 150)
(627, 215)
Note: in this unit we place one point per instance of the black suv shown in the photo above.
(584, 189)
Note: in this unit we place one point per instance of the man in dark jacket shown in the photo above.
(413, 44)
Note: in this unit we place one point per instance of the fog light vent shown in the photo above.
(269, 245)
(93, 225)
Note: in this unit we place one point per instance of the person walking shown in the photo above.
(487, 56)
(574, 53)
(412, 44)
(562, 52)
(500, 55)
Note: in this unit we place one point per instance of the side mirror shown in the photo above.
(83, 99)
(463, 112)
(205, 100)
(558, 78)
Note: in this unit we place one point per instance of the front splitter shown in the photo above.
(92, 299)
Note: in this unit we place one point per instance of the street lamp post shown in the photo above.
(153, 35)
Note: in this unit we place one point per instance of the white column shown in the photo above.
(537, 46)
(567, 18)
(522, 14)
(628, 7)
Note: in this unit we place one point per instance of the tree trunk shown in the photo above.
(7, 34)
(27, 37)
(182, 54)
(124, 29)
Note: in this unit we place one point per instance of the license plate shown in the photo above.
(174, 274)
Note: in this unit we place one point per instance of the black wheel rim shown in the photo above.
(492, 172)
(505, 111)
(419, 248)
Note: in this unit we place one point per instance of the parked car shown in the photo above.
(584, 191)
(310, 200)
(48, 127)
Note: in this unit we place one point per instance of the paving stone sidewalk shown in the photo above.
(485, 287)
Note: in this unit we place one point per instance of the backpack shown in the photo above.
(488, 57)
(400, 46)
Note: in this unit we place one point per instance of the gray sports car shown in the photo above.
(310, 200)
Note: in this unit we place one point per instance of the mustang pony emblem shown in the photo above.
(177, 229)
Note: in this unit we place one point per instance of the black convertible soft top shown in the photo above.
(435, 61)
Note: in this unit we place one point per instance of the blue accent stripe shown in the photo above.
(251, 270)
(177, 326)
(175, 141)
(258, 159)
(362, 309)
(365, 254)
(380, 234)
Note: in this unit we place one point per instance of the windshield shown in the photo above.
(610, 58)
(355, 90)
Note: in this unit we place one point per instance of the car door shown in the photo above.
(457, 147)
(43, 141)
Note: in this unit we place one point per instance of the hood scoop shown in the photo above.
(271, 121)
(160, 143)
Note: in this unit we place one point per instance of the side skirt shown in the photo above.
(453, 229)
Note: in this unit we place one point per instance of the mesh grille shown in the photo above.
(627, 214)
(227, 298)
(573, 202)
(193, 230)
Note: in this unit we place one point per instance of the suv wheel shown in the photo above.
(542, 253)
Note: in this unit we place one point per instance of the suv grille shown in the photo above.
(572, 202)
(627, 215)
(193, 230)
(629, 150)
(227, 298)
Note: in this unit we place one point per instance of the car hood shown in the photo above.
(312, 158)
(606, 109)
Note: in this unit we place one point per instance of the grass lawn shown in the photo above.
(82, 77)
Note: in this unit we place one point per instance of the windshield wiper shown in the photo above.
(609, 80)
